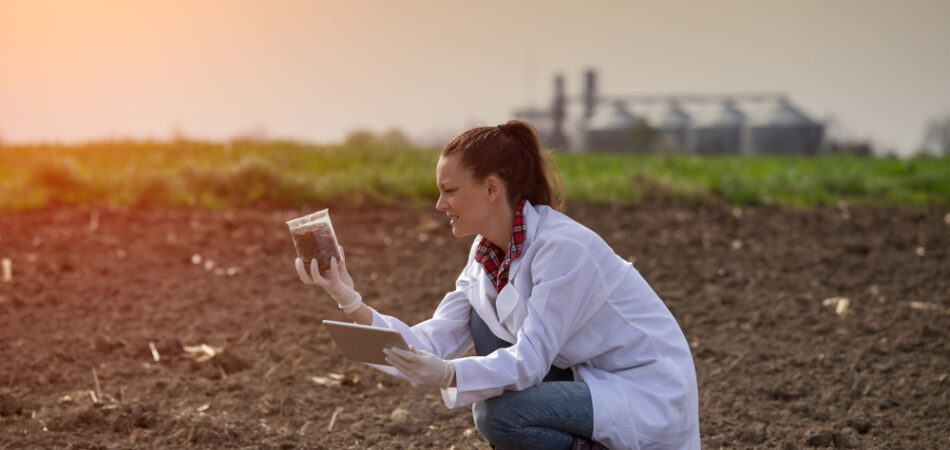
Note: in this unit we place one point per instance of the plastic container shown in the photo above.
(314, 238)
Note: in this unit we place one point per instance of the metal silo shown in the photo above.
(785, 129)
(720, 132)
(675, 124)
(609, 128)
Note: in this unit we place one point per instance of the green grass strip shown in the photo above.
(223, 175)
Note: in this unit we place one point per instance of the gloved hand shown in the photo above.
(339, 283)
(421, 367)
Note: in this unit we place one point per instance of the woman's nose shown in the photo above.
(440, 204)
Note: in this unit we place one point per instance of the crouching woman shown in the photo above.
(573, 349)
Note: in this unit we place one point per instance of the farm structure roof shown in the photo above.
(744, 123)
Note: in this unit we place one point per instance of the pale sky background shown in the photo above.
(73, 70)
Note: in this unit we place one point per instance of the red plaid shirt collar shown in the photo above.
(493, 258)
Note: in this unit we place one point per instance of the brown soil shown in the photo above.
(315, 243)
(777, 367)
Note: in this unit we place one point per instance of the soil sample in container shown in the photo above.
(314, 239)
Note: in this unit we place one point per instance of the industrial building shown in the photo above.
(699, 124)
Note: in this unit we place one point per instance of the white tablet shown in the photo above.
(362, 342)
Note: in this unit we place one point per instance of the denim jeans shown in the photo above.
(545, 416)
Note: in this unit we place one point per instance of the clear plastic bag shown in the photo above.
(314, 238)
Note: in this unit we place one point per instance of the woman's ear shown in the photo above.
(494, 187)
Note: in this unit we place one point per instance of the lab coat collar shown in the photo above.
(508, 301)
(502, 319)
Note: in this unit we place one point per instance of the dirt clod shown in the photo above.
(401, 422)
(230, 362)
(9, 405)
(860, 425)
(168, 347)
(753, 434)
(842, 440)
(820, 438)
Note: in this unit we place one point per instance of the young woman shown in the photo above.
(573, 348)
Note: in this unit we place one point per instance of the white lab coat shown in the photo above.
(571, 302)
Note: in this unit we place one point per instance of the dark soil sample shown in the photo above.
(315, 242)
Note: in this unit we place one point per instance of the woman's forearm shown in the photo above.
(363, 315)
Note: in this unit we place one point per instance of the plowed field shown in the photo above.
(780, 361)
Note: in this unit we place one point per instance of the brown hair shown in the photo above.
(512, 152)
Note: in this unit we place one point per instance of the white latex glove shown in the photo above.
(421, 367)
(339, 283)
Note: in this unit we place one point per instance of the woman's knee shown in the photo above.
(493, 420)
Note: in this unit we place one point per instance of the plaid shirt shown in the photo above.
(493, 258)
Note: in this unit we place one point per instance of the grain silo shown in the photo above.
(609, 129)
(720, 131)
(785, 129)
(698, 123)
(676, 124)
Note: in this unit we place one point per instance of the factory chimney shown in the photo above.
(590, 92)
(558, 113)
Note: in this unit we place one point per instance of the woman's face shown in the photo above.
(462, 198)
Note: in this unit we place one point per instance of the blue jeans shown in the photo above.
(548, 415)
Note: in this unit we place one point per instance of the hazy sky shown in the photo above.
(313, 70)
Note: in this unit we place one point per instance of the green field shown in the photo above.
(222, 175)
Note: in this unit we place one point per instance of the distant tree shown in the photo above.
(937, 134)
(394, 138)
(643, 137)
(855, 147)
(838, 139)
(255, 134)
(365, 138)
(359, 138)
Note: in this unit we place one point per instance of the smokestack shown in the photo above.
(590, 92)
(558, 111)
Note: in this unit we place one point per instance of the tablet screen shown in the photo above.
(362, 342)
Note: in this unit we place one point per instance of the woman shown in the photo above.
(572, 345)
